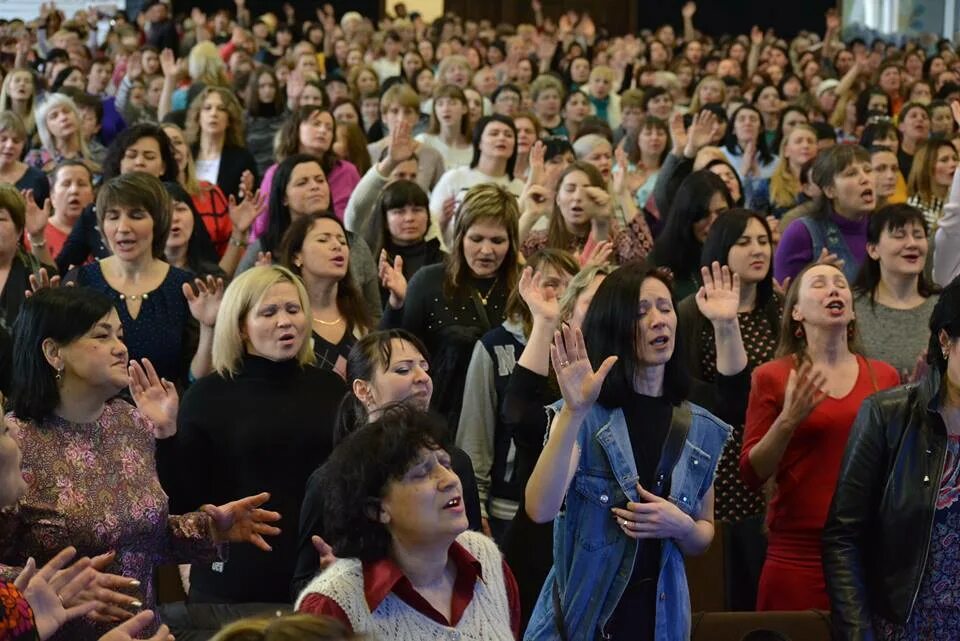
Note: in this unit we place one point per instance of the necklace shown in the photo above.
(327, 323)
(134, 296)
(484, 299)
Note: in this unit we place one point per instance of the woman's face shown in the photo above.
(266, 89)
(458, 75)
(878, 104)
(658, 53)
(937, 66)
(652, 141)
(661, 106)
(21, 86)
(150, 62)
(143, 155)
(526, 135)
(497, 141)
(555, 166)
(729, 179)
(711, 92)
(425, 47)
(214, 117)
(507, 103)
(790, 120)
(824, 299)
(885, 172)
(129, 232)
(76, 80)
(920, 92)
(485, 245)
(853, 191)
(746, 126)
(572, 199)
(345, 113)
(425, 82)
(577, 108)
(11, 148)
(750, 256)
(800, 147)
(902, 251)
(308, 190)
(12, 483)
(180, 150)
(277, 325)
(62, 122)
(317, 133)
(718, 205)
(407, 225)
(450, 111)
(656, 324)
(325, 253)
(181, 225)
(547, 103)
(601, 157)
(426, 504)
(9, 234)
(915, 124)
(890, 80)
(98, 359)
(523, 72)
(411, 64)
(792, 88)
(474, 104)
(941, 122)
(367, 81)
(311, 96)
(580, 71)
(71, 192)
(945, 166)
(354, 57)
(405, 379)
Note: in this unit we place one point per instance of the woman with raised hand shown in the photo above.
(71, 192)
(167, 315)
(271, 427)
(450, 306)
(799, 415)
(91, 458)
(629, 518)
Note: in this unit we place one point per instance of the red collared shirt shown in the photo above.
(380, 578)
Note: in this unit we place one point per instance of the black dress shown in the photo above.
(265, 429)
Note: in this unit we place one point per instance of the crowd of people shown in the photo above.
(402, 330)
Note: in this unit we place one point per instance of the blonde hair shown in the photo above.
(46, 138)
(354, 75)
(12, 123)
(453, 61)
(6, 103)
(205, 65)
(695, 104)
(602, 71)
(784, 185)
(241, 296)
(290, 627)
(234, 134)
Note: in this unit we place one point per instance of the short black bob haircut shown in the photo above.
(610, 329)
(945, 317)
(62, 314)
(128, 138)
(356, 476)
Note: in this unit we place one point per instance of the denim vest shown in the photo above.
(593, 558)
(824, 233)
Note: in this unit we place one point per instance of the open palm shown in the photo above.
(156, 397)
(205, 303)
(244, 521)
(719, 298)
(542, 304)
(579, 384)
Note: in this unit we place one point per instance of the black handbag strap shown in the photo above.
(481, 309)
(680, 423)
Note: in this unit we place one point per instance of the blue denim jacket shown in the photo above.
(593, 559)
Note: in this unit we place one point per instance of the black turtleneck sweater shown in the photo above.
(264, 430)
(414, 257)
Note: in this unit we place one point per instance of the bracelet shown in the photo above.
(238, 243)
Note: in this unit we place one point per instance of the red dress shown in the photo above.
(792, 576)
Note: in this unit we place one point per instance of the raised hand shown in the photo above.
(48, 588)
(324, 551)
(130, 629)
(535, 201)
(246, 183)
(678, 134)
(827, 258)
(653, 518)
(35, 217)
(804, 392)
(756, 36)
(168, 63)
(620, 184)
(543, 304)
(243, 521)
(599, 202)
(537, 173)
(955, 108)
(392, 279)
(774, 224)
(781, 287)
(703, 129)
(448, 212)
(242, 215)
(134, 66)
(688, 10)
(833, 20)
(719, 297)
(40, 280)
(205, 303)
(579, 384)
(264, 259)
(402, 146)
(155, 397)
(108, 591)
(596, 253)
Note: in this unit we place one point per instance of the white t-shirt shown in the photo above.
(386, 69)
(208, 170)
(456, 182)
(453, 157)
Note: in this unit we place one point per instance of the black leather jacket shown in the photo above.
(877, 535)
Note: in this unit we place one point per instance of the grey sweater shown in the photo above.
(895, 336)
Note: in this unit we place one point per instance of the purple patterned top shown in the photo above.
(95, 486)
(936, 614)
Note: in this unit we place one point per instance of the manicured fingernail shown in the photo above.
(137, 604)
(134, 583)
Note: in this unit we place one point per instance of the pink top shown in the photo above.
(343, 179)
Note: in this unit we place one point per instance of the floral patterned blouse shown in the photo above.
(95, 486)
(632, 242)
(17, 622)
(936, 614)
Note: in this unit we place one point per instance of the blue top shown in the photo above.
(159, 331)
